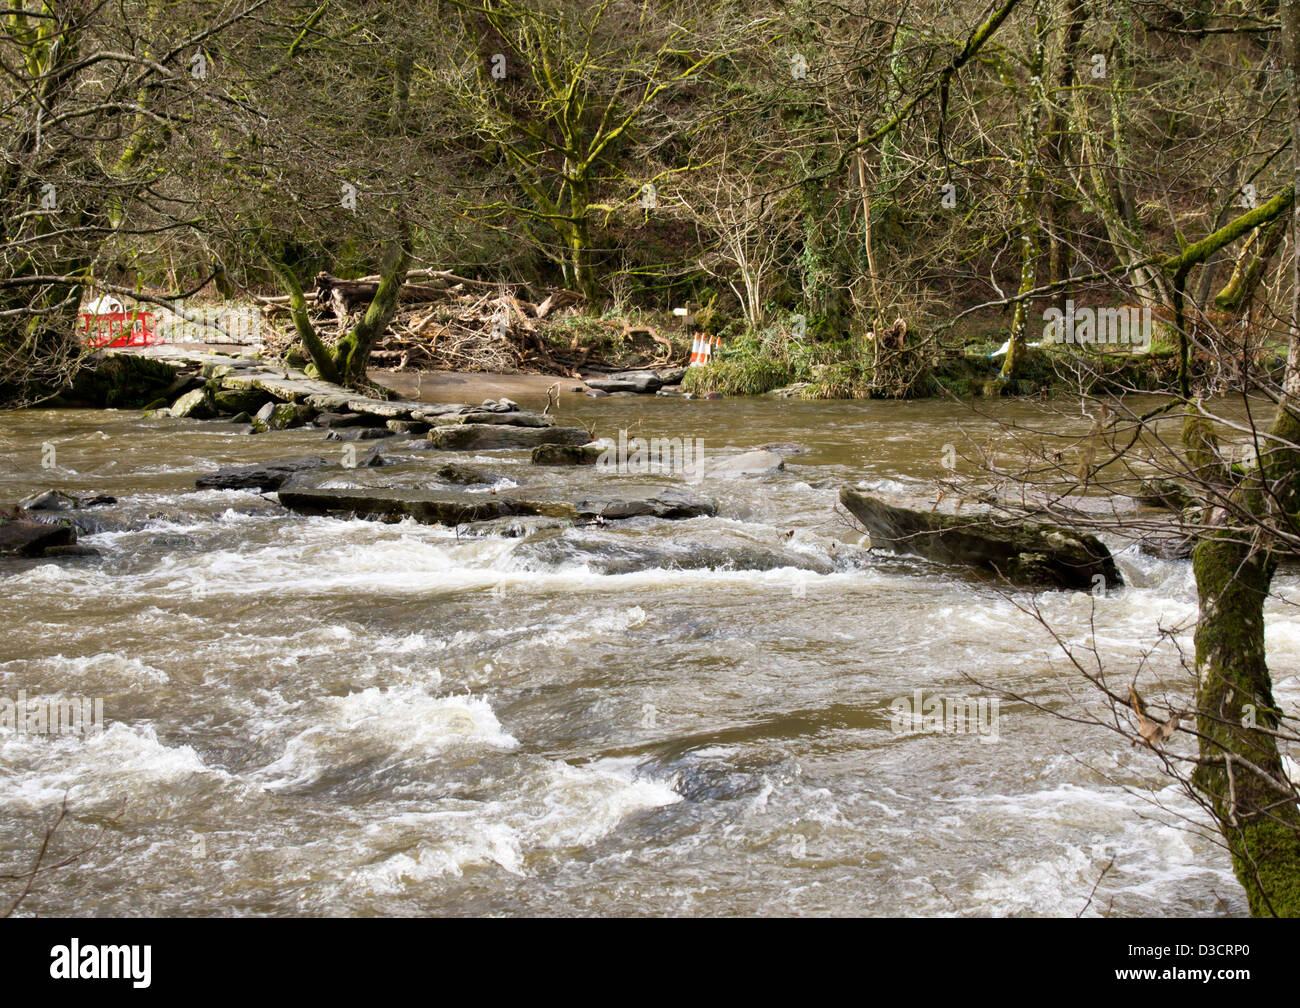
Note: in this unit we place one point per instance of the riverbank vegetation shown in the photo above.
(807, 176)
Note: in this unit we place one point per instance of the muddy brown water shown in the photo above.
(320, 716)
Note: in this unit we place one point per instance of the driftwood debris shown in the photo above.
(450, 322)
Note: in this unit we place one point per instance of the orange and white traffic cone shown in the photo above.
(702, 348)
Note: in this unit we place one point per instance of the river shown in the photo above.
(306, 715)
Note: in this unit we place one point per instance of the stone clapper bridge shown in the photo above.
(209, 385)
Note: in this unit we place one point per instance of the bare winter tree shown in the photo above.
(96, 101)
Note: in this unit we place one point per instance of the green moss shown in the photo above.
(122, 381)
(1235, 717)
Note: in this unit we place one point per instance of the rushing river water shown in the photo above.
(316, 716)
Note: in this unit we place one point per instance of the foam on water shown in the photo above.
(552, 807)
(124, 768)
(369, 717)
(379, 724)
(106, 670)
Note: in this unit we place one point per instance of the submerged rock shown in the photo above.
(784, 448)
(512, 527)
(753, 463)
(71, 550)
(1023, 551)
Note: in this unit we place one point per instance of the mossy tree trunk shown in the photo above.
(1240, 768)
(352, 355)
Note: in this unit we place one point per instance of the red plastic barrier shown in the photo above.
(118, 329)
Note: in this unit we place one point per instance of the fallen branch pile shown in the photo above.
(452, 323)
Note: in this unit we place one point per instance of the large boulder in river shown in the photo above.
(282, 416)
(20, 536)
(233, 401)
(197, 405)
(1022, 551)
(491, 436)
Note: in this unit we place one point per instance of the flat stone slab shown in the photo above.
(457, 507)
(1022, 551)
(430, 507)
(360, 434)
(431, 412)
(387, 409)
(265, 476)
(643, 501)
(488, 437)
(517, 418)
(284, 384)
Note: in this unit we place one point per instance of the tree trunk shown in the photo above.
(352, 356)
(321, 355)
(1241, 771)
